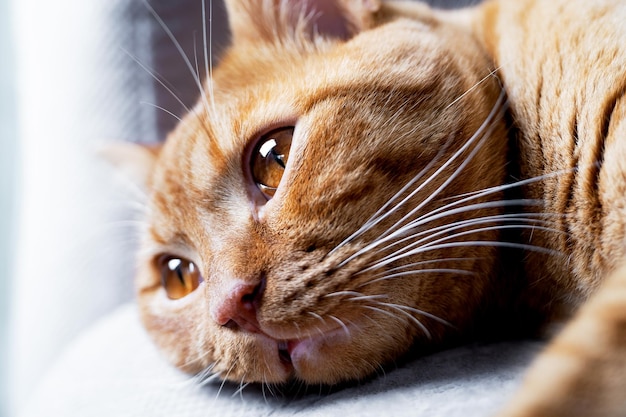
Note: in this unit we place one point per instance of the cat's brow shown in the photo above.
(365, 89)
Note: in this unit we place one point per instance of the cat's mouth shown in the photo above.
(294, 354)
(284, 353)
(286, 349)
(303, 347)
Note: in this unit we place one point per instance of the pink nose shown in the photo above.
(238, 307)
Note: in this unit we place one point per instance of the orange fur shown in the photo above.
(582, 372)
(563, 66)
(377, 92)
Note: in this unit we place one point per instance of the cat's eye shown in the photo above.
(179, 276)
(269, 159)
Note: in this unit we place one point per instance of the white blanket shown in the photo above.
(114, 370)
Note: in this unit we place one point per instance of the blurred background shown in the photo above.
(75, 75)
(8, 155)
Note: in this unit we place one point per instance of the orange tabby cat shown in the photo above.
(338, 194)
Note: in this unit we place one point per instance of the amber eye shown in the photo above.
(269, 159)
(179, 276)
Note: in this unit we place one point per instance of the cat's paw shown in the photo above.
(583, 371)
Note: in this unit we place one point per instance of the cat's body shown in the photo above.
(389, 226)
(563, 64)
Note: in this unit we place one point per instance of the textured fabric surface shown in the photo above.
(114, 370)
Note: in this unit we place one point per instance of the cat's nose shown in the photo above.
(238, 306)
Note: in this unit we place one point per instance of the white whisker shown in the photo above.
(480, 135)
(195, 55)
(342, 324)
(343, 293)
(225, 378)
(380, 310)
(401, 232)
(419, 312)
(209, 378)
(158, 79)
(181, 51)
(317, 316)
(263, 384)
(486, 77)
(417, 272)
(208, 51)
(413, 265)
(444, 230)
(504, 187)
(488, 229)
(407, 315)
(269, 388)
(242, 386)
(367, 297)
(163, 109)
(207, 375)
(378, 216)
(456, 172)
(478, 243)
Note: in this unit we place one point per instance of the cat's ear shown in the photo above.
(267, 20)
(136, 162)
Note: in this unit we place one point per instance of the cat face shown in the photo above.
(302, 220)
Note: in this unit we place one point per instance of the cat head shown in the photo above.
(304, 218)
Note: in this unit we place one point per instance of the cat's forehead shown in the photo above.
(258, 85)
(263, 86)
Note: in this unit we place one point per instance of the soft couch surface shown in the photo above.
(113, 370)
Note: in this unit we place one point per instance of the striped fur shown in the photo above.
(393, 225)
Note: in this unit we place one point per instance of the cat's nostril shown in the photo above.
(230, 324)
(254, 297)
(238, 308)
